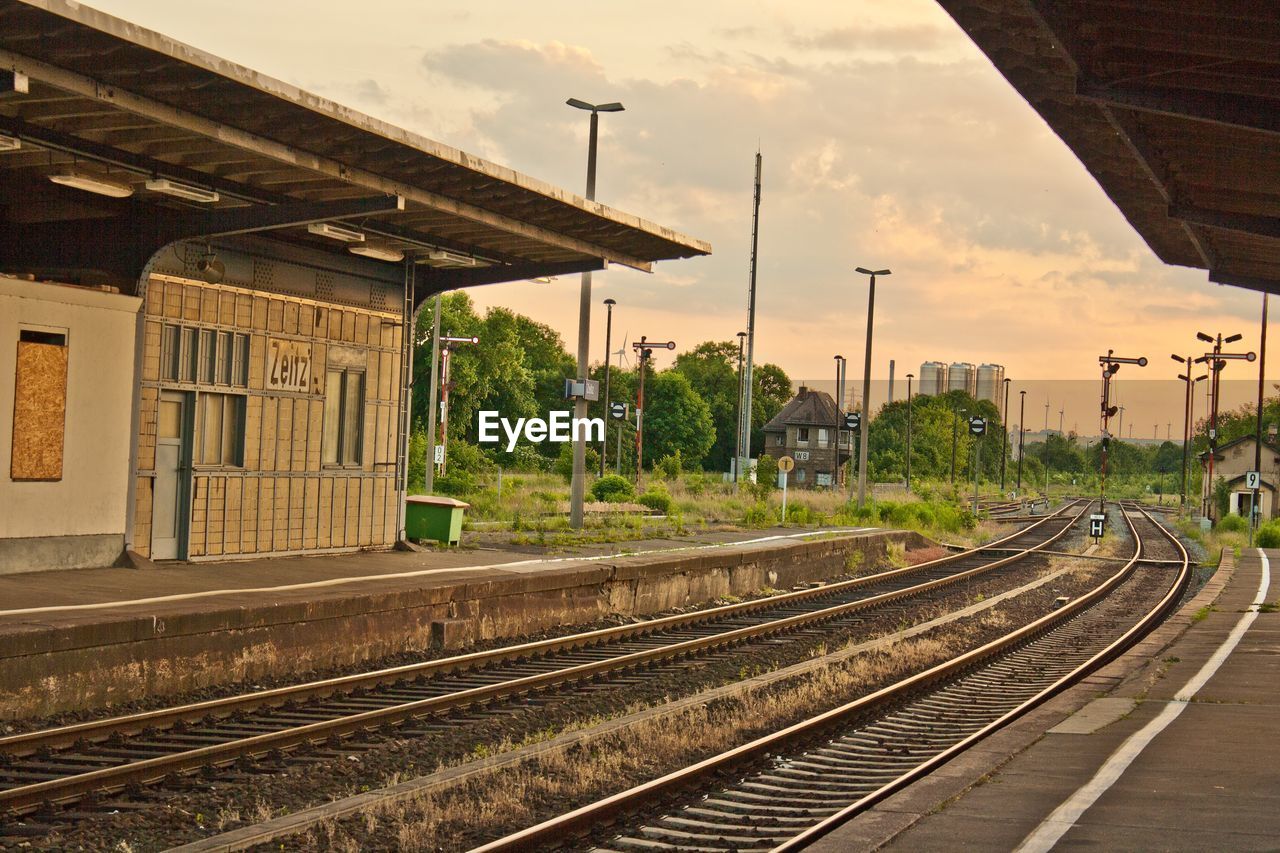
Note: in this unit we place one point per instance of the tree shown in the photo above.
(770, 391)
(675, 419)
(712, 371)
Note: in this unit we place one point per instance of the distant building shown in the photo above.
(1230, 463)
(962, 376)
(805, 430)
(990, 380)
(933, 378)
(984, 382)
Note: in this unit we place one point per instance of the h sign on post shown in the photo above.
(1252, 480)
(1097, 521)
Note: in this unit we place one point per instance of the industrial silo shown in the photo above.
(962, 376)
(990, 378)
(933, 378)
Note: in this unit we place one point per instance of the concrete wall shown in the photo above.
(95, 660)
(79, 520)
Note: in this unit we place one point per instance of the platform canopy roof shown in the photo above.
(1172, 105)
(84, 92)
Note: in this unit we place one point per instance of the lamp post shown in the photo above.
(1021, 432)
(866, 387)
(578, 488)
(955, 429)
(737, 444)
(840, 361)
(1186, 418)
(1255, 511)
(910, 376)
(608, 342)
(1004, 427)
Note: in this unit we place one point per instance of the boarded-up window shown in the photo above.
(39, 406)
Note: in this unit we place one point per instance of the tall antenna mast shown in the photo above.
(744, 426)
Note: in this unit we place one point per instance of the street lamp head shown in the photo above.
(1178, 359)
(1206, 338)
(866, 271)
(1232, 339)
(911, 376)
(611, 302)
(1201, 378)
(595, 108)
(742, 334)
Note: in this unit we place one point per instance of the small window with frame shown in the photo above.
(343, 441)
(220, 426)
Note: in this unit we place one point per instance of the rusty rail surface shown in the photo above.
(580, 822)
(26, 797)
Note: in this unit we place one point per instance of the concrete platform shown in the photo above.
(96, 637)
(1175, 746)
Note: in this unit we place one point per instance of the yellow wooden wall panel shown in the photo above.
(249, 515)
(142, 516)
(39, 412)
(231, 517)
(191, 302)
(324, 513)
(311, 512)
(227, 308)
(266, 506)
(275, 316)
(215, 515)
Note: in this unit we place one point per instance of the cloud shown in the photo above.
(919, 37)
(932, 168)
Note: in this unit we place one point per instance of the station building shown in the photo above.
(806, 430)
(1231, 462)
(208, 280)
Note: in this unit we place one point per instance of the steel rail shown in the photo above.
(113, 778)
(581, 821)
(96, 731)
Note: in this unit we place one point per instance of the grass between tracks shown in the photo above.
(505, 800)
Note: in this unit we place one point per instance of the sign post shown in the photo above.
(977, 428)
(785, 465)
(1253, 482)
(1097, 523)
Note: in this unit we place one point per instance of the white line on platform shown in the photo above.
(99, 605)
(1065, 816)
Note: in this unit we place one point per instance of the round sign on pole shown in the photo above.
(978, 425)
(786, 463)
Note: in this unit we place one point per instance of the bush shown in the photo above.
(564, 462)
(1233, 523)
(613, 489)
(526, 458)
(696, 483)
(1268, 535)
(758, 515)
(670, 466)
(656, 499)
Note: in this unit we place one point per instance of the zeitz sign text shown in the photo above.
(288, 365)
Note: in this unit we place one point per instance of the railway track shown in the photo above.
(98, 758)
(785, 790)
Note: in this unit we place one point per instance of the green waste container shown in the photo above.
(434, 517)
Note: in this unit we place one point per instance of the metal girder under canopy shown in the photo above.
(86, 92)
(1174, 108)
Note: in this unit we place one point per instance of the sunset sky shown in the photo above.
(888, 141)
